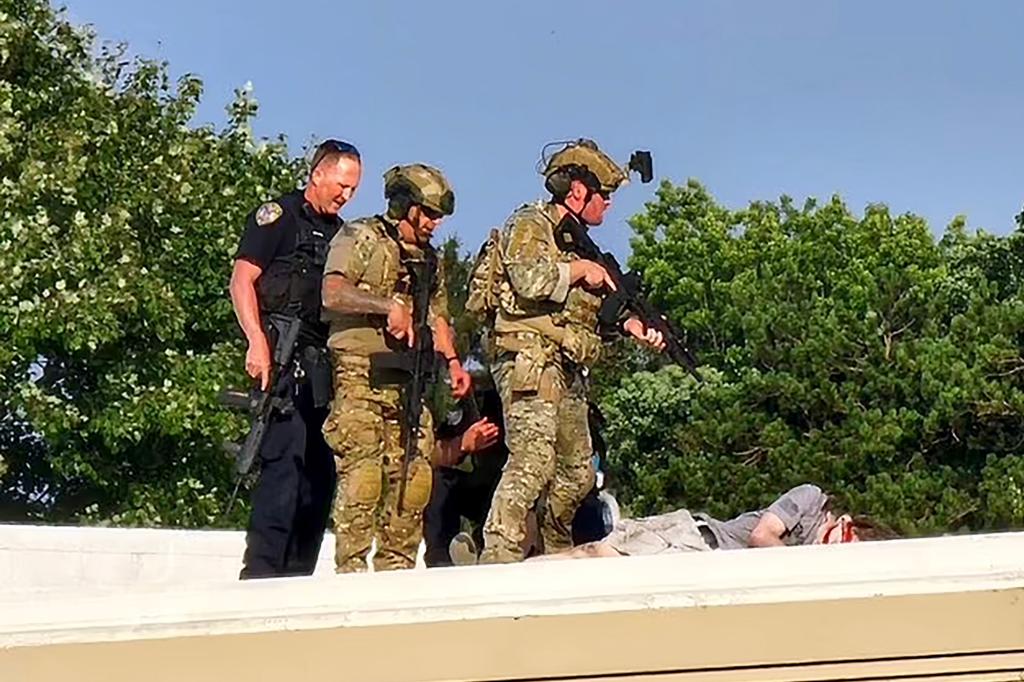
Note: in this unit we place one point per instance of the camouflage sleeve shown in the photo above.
(530, 259)
(350, 252)
(439, 301)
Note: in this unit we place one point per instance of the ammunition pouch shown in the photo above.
(581, 346)
(528, 368)
(576, 343)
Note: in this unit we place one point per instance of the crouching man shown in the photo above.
(802, 516)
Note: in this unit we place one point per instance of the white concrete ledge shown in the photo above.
(936, 607)
(45, 557)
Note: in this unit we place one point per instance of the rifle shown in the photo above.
(415, 369)
(573, 237)
(262, 404)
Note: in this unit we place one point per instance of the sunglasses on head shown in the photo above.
(341, 147)
(334, 147)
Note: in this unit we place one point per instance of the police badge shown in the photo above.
(268, 213)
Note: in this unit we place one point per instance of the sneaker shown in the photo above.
(462, 550)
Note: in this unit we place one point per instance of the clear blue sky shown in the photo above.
(916, 104)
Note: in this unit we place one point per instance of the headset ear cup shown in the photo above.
(557, 184)
(398, 205)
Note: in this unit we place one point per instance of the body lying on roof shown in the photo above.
(803, 515)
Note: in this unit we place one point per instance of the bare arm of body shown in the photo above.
(768, 532)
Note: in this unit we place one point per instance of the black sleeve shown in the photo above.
(260, 243)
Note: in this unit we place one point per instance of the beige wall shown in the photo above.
(950, 608)
(878, 638)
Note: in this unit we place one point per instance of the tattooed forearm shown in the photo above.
(341, 296)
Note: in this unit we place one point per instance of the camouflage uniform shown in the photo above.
(364, 424)
(544, 341)
(542, 345)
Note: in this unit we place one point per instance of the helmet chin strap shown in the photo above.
(399, 235)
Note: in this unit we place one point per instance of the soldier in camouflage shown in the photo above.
(366, 299)
(545, 338)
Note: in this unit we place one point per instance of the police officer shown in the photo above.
(276, 276)
(367, 295)
(545, 339)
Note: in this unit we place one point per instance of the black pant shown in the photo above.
(589, 524)
(455, 494)
(292, 501)
(459, 494)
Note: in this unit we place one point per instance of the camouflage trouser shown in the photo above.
(548, 439)
(363, 428)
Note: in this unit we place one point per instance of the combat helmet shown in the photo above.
(418, 183)
(581, 160)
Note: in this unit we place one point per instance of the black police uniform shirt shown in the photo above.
(282, 238)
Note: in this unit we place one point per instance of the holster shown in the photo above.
(395, 368)
(316, 366)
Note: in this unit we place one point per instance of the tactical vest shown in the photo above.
(571, 325)
(403, 287)
(382, 273)
(291, 284)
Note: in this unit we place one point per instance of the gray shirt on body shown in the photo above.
(801, 509)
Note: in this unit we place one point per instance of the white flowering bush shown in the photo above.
(118, 221)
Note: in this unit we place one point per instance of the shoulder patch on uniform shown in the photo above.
(268, 213)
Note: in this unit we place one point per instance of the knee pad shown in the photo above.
(363, 482)
(418, 486)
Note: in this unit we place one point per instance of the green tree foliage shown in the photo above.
(118, 221)
(457, 266)
(858, 353)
